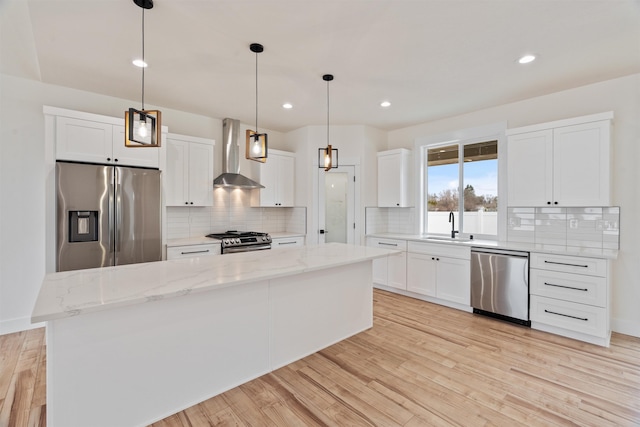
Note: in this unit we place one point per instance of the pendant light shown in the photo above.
(328, 156)
(256, 142)
(142, 127)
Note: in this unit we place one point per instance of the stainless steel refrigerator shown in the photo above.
(107, 215)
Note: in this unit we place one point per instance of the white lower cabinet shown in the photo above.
(571, 296)
(192, 251)
(287, 242)
(421, 274)
(392, 270)
(440, 271)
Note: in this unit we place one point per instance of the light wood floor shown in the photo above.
(420, 365)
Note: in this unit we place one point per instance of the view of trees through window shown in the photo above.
(479, 188)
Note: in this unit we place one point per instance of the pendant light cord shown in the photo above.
(256, 92)
(327, 113)
(144, 64)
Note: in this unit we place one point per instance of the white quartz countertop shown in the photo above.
(529, 247)
(73, 293)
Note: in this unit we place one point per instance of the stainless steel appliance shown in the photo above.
(231, 177)
(107, 215)
(500, 284)
(242, 241)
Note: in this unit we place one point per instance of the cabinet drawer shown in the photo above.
(577, 288)
(446, 249)
(191, 251)
(582, 318)
(287, 242)
(376, 242)
(569, 264)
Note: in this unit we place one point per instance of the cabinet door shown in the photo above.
(148, 157)
(421, 274)
(397, 274)
(287, 242)
(269, 177)
(286, 174)
(380, 271)
(176, 179)
(200, 174)
(389, 171)
(530, 169)
(192, 251)
(83, 140)
(581, 164)
(453, 280)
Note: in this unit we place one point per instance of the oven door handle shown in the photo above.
(246, 248)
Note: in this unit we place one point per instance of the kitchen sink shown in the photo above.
(446, 239)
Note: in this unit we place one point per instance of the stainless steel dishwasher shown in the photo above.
(500, 284)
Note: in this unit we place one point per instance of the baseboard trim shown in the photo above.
(18, 325)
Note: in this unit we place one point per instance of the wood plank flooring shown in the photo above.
(420, 365)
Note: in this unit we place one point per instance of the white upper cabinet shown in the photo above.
(189, 174)
(277, 175)
(581, 169)
(530, 169)
(563, 163)
(98, 141)
(395, 178)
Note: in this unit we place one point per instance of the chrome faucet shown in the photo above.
(452, 220)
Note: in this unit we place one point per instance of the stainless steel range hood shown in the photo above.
(230, 177)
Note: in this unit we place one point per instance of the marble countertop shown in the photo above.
(73, 293)
(203, 240)
(529, 247)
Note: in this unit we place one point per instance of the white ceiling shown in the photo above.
(430, 58)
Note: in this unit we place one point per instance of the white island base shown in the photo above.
(136, 364)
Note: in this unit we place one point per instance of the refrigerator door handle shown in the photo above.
(111, 210)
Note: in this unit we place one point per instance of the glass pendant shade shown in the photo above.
(327, 158)
(142, 128)
(256, 148)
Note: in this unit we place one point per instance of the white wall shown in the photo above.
(622, 96)
(24, 221)
(357, 146)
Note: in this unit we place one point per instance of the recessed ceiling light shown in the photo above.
(287, 105)
(526, 59)
(139, 63)
(385, 104)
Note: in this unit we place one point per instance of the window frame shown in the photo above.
(461, 138)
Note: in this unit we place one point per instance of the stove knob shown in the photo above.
(237, 240)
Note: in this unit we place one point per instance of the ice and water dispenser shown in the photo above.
(83, 226)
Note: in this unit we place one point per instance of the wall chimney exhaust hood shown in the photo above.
(230, 177)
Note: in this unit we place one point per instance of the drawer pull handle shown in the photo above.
(194, 252)
(564, 263)
(566, 287)
(388, 244)
(566, 315)
(286, 243)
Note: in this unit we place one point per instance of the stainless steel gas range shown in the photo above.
(242, 241)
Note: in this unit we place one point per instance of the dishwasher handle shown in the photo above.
(496, 251)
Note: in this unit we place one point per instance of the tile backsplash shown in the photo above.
(586, 227)
(232, 211)
(389, 220)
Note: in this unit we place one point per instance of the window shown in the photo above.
(469, 169)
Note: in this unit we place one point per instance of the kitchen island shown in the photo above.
(130, 345)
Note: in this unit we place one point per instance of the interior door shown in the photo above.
(337, 205)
